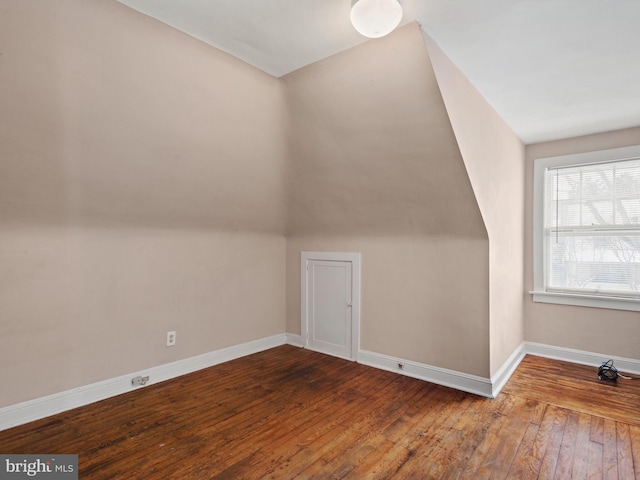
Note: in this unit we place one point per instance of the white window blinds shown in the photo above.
(592, 229)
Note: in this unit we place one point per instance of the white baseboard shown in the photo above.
(441, 376)
(491, 387)
(293, 339)
(624, 365)
(502, 376)
(38, 408)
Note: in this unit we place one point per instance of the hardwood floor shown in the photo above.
(292, 413)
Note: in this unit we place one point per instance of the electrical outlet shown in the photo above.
(138, 381)
(171, 339)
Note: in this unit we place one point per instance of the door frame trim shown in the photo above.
(354, 259)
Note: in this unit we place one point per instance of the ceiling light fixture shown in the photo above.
(375, 18)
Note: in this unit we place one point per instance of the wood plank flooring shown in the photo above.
(291, 413)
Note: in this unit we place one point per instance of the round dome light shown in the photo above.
(376, 18)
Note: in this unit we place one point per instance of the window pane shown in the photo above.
(593, 195)
(597, 263)
(597, 212)
(628, 179)
(597, 182)
(628, 211)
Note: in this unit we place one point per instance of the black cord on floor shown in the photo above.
(608, 372)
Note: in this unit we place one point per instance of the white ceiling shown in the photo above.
(551, 68)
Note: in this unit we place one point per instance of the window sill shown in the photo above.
(614, 303)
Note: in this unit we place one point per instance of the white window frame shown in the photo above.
(539, 292)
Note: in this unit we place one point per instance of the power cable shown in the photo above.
(609, 373)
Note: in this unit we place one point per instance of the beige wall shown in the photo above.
(112, 117)
(375, 168)
(141, 191)
(494, 158)
(609, 332)
(414, 305)
(80, 304)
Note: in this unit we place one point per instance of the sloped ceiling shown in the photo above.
(551, 69)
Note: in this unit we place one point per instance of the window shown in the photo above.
(587, 229)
